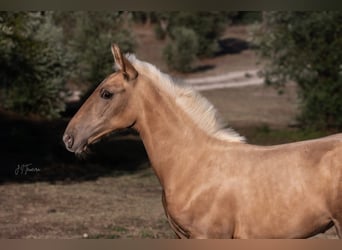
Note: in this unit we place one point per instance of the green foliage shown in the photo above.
(306, 47)
(32, 63)
(90, 38)
(208, 27)
(41, 51)
(181, 52)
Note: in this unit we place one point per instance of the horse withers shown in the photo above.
(214, 184)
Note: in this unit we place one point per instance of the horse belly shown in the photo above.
(301, 222)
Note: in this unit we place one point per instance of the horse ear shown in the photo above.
(121, 62)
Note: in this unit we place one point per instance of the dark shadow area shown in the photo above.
(232, 46)
(32, 150)
(226, 46)
(201, 68)
(71, 108)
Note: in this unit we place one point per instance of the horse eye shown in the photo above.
(105, 94)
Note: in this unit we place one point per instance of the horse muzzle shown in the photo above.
(68, 141)
(72, 145)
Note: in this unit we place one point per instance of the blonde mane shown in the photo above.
(199, 109)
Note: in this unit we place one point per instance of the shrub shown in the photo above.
(305, 47)
(90, 40)
(41, 51)
(32, 63)
(208, 27)
(181, 52)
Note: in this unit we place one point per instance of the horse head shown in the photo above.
(108, 108)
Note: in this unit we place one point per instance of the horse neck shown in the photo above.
(170, 137)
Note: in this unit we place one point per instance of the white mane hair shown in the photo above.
(199, 109)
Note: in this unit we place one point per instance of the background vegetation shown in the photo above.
(32, 63)
(42, 51)
(306, 47)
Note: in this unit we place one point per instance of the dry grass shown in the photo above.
(127, 206)
(255, 105)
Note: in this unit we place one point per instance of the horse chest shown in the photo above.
(197, 222)
(175, 225)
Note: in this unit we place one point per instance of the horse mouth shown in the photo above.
(84, 147)
(80, 149)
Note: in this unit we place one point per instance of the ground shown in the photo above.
(115, 194)
(125, 206)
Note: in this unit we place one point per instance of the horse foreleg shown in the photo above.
(337, 220)
(338, 227)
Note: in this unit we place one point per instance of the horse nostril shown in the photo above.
(68, 140)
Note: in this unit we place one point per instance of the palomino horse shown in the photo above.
(214, 184)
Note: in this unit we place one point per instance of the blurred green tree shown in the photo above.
(306, 47)
(32, 63)
(89, 36)
(182, 51)
(178, 27)
(208, 27)
(41, 51)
